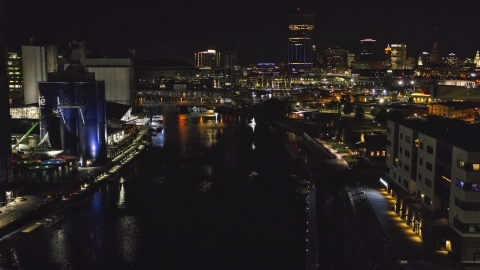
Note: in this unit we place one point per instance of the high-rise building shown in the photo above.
(476, 61)
(230, 60)
(335, 59)
(435, 55)
(6, 171)
(300, 40)
(366, 49)
(208, 58)
(14, 66)
(396, 56)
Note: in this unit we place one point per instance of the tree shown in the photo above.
(381, 116)
(273, 109)
(347, 108)
(359, 112)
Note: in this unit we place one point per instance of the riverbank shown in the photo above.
(30, 209)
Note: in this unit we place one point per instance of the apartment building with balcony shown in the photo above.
(433, 172)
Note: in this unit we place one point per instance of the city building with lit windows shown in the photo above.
(301, 49)
(335, 60)
(15, 79)
(366, 49)
(396, 55)
(14, 69)
(208, 58)
(476, 61)
(433, 172)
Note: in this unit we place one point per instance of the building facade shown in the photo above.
(335, 60)
(73, 114)
(432, 171)
(208, 58)
(396, 56)
(300, 40)
(366, 49)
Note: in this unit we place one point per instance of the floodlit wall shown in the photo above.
(34, 71)
(118, 83)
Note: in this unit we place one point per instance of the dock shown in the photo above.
(32, 227)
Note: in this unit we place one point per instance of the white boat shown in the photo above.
(53, 220)
(157, 122)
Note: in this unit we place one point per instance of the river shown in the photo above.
(222, 198)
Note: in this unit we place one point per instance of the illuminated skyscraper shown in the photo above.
(14, 65)
(300, 40)
(477, 60)
(209, 58)
(396, 56)
(366, 49)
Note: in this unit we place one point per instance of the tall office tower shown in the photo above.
(300, 40)
(435, 55)
(14, 66)
(6, 172)
(208, 58)
(366, 49)
(230, 63)
(396, 56)
(335, 60)
(477, 60)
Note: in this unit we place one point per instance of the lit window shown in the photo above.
(383, 153)
(460, 183)
(476, 166)
(372, 153)
(461, 164)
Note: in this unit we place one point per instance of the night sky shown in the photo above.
(256, 29)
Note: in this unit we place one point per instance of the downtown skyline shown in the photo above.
(258, 31)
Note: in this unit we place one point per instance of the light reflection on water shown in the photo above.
(59, 249)
(121, 197)
(128, 239)
(206, 216)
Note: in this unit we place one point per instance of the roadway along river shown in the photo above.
(220, 198)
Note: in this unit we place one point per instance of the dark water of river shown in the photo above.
(213, 193)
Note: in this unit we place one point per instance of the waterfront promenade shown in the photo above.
(374, 237)
(19, 214)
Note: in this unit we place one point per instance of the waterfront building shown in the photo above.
(366, 49)
(432, 171)
(73, 114)
(208, 58)
(118, 73)
(34, 71)
(301, 49)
